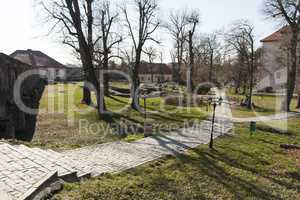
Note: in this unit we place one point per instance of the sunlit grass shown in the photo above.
(61, 114)
(265, 105)
(241, 166)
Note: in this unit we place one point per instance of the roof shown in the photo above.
(155, 68)
(276, 36)
(9, 69)
(36, 59)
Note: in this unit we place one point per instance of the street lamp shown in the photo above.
(147, 128)
(214, 101)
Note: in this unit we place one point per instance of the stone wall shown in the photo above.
(14, 123)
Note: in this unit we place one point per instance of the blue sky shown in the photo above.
(21, 27)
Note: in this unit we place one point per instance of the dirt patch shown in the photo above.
(296, 154)
(53, 131)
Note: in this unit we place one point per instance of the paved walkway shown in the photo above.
(25, 172)
(118, 156)
(279, 116)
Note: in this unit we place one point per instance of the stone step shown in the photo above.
(20, 176)
(82, 170)
(64, 172)
(111, 157)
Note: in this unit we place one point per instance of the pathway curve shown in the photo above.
(26, 172)
(279, 116)
(117, 156)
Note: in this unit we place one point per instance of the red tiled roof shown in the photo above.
(155, 68)
(36, 59)
(276, 36)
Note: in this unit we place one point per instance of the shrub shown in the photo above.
(204, 89)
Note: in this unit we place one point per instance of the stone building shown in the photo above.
(54, 70)
(14, 121)
(155, 72)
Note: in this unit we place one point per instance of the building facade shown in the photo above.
(155, 73)
(275, 61)
(52, 69)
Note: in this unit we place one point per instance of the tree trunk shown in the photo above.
(251, 77)
(106, 76)
(86, 96)
(135, 81)
(211, 64)
(236, 91)
(245, 88)
(86, 91)
(152, 78)
(190, 68)
(298, 101)
(291, 74)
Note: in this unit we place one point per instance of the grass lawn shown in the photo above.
(240, 167)
(57, 111)
(267, 105)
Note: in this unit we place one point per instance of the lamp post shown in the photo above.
(147, 128)
(214, 102)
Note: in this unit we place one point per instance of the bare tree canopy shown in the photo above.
(140, 33)
(241, 38)
(107, 20)
(177, 27)
(193, 20)
(74, 19)
(208, 49)
(152, 54)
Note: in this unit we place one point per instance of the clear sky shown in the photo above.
(21, 27)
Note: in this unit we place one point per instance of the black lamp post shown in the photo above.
(214, 102)
(145, 107)
(146, 126)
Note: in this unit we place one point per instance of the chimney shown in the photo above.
(31, 57)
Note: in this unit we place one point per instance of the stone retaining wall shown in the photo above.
(14, 123)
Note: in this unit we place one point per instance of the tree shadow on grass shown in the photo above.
(116, 117)
(117, 99)
(207, 163)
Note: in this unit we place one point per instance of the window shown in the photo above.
(278, 75)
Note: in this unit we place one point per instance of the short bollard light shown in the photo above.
(252, 127)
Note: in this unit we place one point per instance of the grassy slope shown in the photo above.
(53, 130)
(240, 167)
(268, 105)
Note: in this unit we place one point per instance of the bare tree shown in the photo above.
(140, 33)
(152, 55)
(109, 38)
(193, 20)
(241, 38)
(177, 27)
(288, 12)
(75, 19)
(210, 46)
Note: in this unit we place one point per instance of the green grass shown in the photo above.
(266, 105)
(240, 167)
(57, 111)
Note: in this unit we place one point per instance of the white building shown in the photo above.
(275, 61)
(155, 73)
(54, 70)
